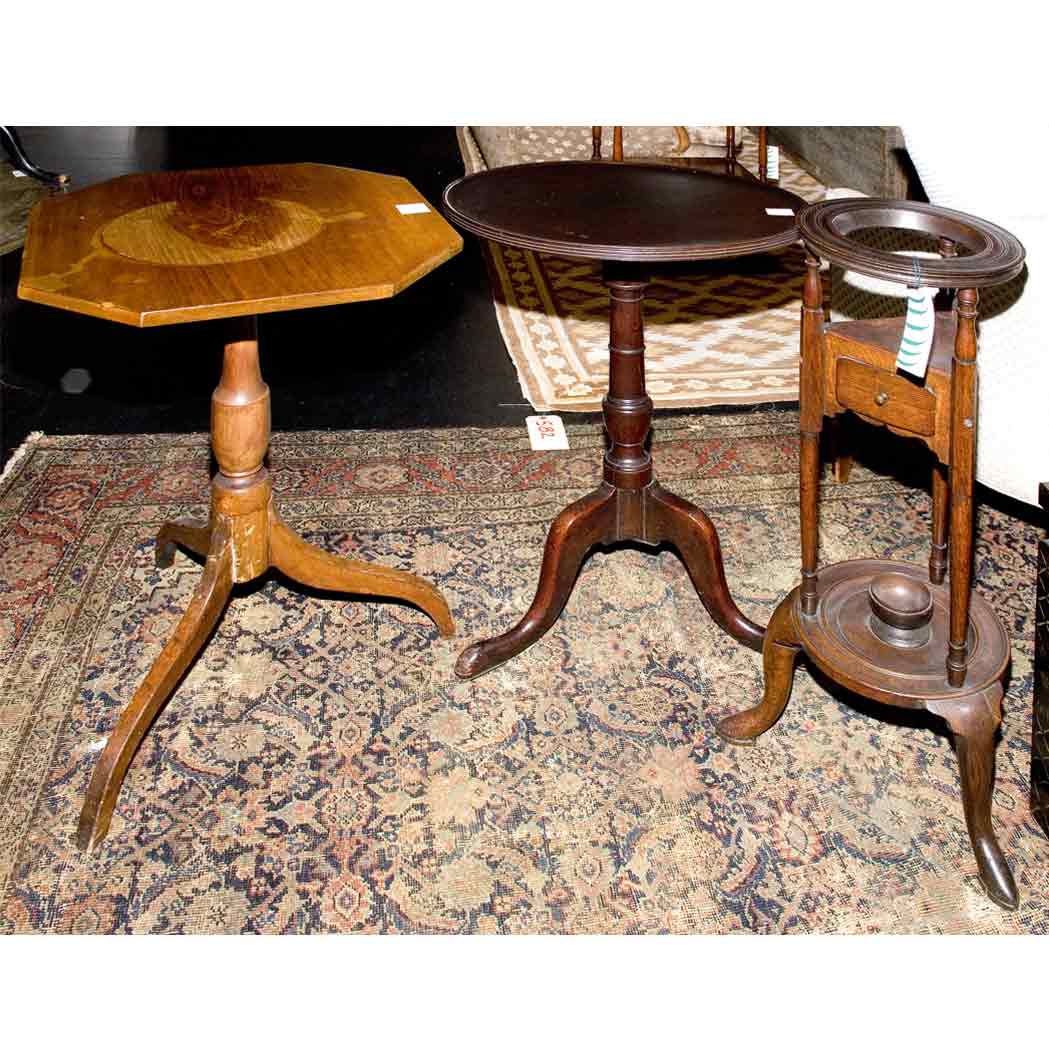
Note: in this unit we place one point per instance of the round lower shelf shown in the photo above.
(840, 639)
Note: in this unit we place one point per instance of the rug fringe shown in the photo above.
(20, 453)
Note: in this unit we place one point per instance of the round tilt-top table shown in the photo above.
(631, 217)
(182, 246)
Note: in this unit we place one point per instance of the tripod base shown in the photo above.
(840, 640)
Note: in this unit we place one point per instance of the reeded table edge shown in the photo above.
(1001, 260)
(695, 252)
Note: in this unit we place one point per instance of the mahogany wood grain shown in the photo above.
(779, 654)
(993, 254)
(876, 627)
(884, 397)
(575, 531)
(963, 463)
(871, 388)
(811, 424)
(574, 208)
(940, 506)
(973, 715)
(974, 724)
(153, 249)
(628, 505)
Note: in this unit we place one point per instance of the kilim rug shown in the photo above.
(321, 769)
(716, 333)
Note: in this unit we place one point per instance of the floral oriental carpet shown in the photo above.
(321, 769)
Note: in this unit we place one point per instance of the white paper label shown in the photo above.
(772, 165)
(918, 330)
(18, 174)
(413, 209)
(778, 211)
(546, 432)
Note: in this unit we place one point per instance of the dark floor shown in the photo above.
(433, 356)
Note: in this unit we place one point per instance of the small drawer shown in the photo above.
(886, 397)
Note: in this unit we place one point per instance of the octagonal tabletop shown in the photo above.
(178, 246)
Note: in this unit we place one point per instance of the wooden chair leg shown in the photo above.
(307, 564)
(193, 630)
(779, 656)
(940, 508)
(974, 722)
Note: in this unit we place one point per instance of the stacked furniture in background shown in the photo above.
(701, 157)
(530, 144)
(872, 160)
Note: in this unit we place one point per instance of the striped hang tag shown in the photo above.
(918, 330)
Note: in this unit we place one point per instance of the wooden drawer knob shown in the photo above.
(881, 398)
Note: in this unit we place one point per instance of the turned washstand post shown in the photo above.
(963, 461)
(876, 626)
(940, 483)
(811, 416)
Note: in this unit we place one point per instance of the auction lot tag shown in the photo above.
(772, 163)
(413, 209)
(918, 330)
(546, 432)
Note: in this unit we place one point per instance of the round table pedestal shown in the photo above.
(846, 639)
(628, 505)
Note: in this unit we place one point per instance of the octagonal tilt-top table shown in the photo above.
(182, 246)
(632, 217)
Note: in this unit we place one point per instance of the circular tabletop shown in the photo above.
(623, 212)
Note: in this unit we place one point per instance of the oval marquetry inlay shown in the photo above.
(208, 233)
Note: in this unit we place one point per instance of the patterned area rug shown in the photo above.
(716, 333)
(321, 769)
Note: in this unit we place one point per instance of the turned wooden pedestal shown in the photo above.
(630, 217)
(179, 246)
(243, 538)
(628, 505)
